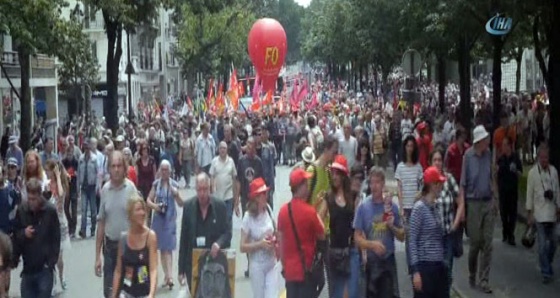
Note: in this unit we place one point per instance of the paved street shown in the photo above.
(514, 271)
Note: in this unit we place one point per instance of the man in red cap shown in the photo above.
(299, 228)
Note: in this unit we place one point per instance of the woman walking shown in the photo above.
(339, 203)
(136, 270)
(409, 176)
(162, 199)
(58, 188)
(258, 240)
(426, 240)
(452, 209)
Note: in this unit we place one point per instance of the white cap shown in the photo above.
(479, 134)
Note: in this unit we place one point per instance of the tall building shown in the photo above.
(156, 70)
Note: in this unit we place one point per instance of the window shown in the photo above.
(94, 49)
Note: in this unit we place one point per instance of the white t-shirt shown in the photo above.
(257, 228)
(223, 173)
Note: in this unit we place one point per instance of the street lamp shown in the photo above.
(129, 71)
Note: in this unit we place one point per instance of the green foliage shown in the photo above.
(79, 65)
(211, 38)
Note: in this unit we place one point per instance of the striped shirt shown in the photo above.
(425, 234)
(411, 182)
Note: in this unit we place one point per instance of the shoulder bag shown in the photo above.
(314, 275)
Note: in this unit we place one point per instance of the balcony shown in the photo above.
(42, 66)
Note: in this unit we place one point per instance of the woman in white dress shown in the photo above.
(57, 187)
(258, 239)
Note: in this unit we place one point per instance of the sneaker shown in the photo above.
(485, 287)
(82, 234)
(546, 280)
(63, 285)
(247, 273)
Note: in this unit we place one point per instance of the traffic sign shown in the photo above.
(411, 63)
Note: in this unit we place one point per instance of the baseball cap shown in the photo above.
(433, 175)
(298, 176)
(12, 161)
(340, 163)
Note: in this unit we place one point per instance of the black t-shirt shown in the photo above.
(507, 171)
(247, 170)
(71, 166)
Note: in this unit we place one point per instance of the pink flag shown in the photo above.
(314, 101)
(257, 88)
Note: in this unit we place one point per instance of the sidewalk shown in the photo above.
(514, 272)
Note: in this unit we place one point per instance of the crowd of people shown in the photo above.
(338, 231)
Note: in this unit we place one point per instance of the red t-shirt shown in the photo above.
(308, 227)
(424, 149)
(132, 175)
(454, 160)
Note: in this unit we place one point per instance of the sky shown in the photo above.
(303, 3)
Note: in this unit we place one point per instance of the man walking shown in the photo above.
(88, 182)
(477, 189)
(205, 150)
(204, 225)
(37, 241)
(112, 219)
(224, 177)
(543, 208)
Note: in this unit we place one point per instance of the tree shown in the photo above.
(213, 36)
(35, 27)
(79, 66)
(546, 25)
(120, 15)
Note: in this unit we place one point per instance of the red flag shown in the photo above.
(294, 103)
(268, 99)
(303, 92)
(233, 93)
(314, 101)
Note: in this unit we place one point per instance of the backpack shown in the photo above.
(213, 277)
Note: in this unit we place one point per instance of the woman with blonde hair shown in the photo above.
(258, 240)
(136, 270)
(57, 191)
(32, 168)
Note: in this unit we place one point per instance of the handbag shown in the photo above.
(315, 274)
(339, 260)
(529, 236)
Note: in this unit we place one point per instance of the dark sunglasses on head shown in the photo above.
(12, 167)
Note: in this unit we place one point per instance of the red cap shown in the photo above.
(257, 187)
(433, 175)
(298, 176)
(340, 163)
(421, 126)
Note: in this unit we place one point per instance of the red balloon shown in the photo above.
(267, 48)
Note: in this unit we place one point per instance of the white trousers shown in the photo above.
(265, 279)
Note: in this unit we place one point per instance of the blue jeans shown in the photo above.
(37, 285)
(547, 246)
(229, 208)
(88, 198)
(339, 282)
(448, 256)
